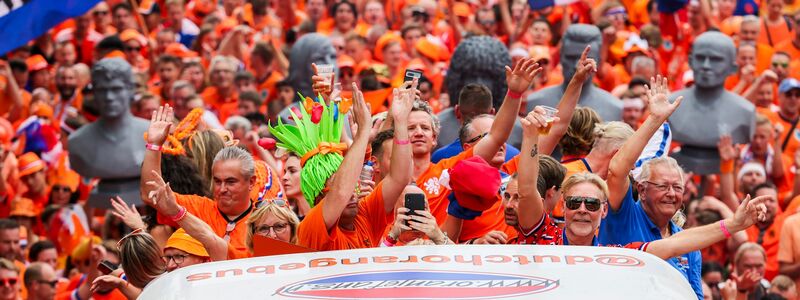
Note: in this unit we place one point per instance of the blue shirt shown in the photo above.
(631, 224)
(455, 148)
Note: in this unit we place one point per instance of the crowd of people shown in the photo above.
(299, 121)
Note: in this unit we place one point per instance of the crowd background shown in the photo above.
(212, 77)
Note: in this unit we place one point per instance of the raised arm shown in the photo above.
(518, 80)
(727, 156)
(586, 67)
(345, 180)
(748, 212)
(167, 205)
(623, 161)
(531, 206)
(400, 172)
(13, 92)
(160, 123)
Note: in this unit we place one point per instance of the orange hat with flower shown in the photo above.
(29, 163)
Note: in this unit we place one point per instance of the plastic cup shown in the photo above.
(549, 117)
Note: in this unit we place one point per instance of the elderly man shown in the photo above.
(749, 263)
(233, 174)
(40, 281)
(222, 95)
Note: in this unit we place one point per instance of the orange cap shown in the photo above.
(29, 163)
(23, 207)
(345, 61)
(42, 110)
(461, 9)
(179, 50)
(131, 34)
(183, 241)
(36, 63)
(384, 41)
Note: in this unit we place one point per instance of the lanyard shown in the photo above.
(232, 223)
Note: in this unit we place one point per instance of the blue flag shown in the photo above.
(25, 20)
(540, 4)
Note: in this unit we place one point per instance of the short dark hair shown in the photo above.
(263, 51)
(251, 96)
(551, 174)
(637, 81)
(123, 5)
(6, 224)
(765, 185)
(352, 6)
(410, 27)
(244, 75)
(18, 65)
(33, 273)
(170, 59)
(467, 127)
(377, 143)
(283, 83)
(109, 44)
(709, 267)
(37, 248)
(474, 99)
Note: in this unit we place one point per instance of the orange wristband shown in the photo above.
(726, 167)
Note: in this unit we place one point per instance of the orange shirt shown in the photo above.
(269, 86)
(789, 248)
(573, 167)
(435, 192)
(491, 219)
(769, 241)
(785, 128)
(206, 209)
(223, 107)
(788, 47)
(369, 224)
(763, 57)
(774, 34)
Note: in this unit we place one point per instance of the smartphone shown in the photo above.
(414, 202)
(106, 267)
(412, 74)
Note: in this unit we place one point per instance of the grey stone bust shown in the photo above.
(575, 40)
(310, 48)
(112, 148)
(708, 110)
(479, 59)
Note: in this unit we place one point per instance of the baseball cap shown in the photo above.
(788, 84)
(36, 63)
(23, 207)
(29, 163)
(183, 241)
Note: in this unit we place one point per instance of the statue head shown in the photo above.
(113, 85)
(482, 60)
(575, 40)
(310, 48)
(712, 59)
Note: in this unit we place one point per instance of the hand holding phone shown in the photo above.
(412, 74)
(414, 202)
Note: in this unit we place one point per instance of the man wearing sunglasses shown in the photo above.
(9, 279)
(40, 281)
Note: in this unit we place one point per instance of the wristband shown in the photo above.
(401, 142)
(726, 167)
(180, 215)
(513, 95)
(724, 229)
(389, 241)
(153, 147)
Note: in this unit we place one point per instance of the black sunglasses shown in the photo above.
(477, 138)
(592, 204)
(50, 283)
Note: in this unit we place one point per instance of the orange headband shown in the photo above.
(324, 148)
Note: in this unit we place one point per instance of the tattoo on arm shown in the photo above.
(535, 150)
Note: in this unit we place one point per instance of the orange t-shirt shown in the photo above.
(763, 57)
(770, 239)
(573, 167)
(785, 128)
(789, 248)
(206, 209)
(788, 47)
(435, 192)
(369, 224)
(269, 86)
(223, 107)
(490, 220)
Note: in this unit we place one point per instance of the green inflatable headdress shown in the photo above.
(316, 139)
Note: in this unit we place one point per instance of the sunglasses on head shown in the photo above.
(278, 202)
(477, 138)
(9, 281)
(574, 203)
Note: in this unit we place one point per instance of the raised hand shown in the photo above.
(726, 149)
(402, 103)
(129, 215)
(521, 77)
(320, 84)
(749, 212)
(160, 123)
(361, 111)
(424, 222)
(494, 237)
(586, 66)
(162, 196)
(400, 222)
(533, 121)
(656, 95)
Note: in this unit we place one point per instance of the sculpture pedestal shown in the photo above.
(701, 161)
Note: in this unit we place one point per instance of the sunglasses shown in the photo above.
(278, 202)
(792, 94)
(52, 284)
(133, 49)
(477, 138)
(782, 65)
(9, 281)
(61, 189)
(574, 203)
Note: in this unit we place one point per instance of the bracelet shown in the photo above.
(513, 95)
(390, 239)
(724, 229)
(401, 142)
(180, 215)
(726, 167)
(153, 147)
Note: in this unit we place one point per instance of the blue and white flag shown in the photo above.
(25, 20)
